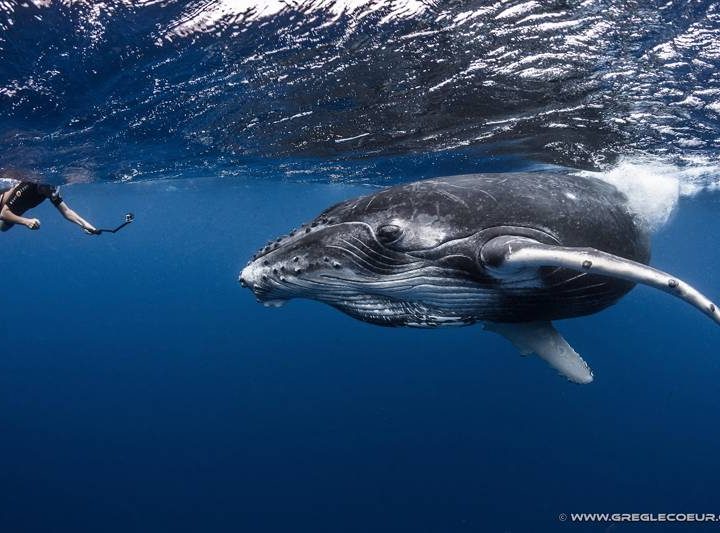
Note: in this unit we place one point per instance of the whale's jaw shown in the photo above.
(420, 294)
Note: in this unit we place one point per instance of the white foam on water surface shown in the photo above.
(653, 187)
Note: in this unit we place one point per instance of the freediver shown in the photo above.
(25, 195)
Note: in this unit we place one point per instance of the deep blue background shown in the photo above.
(141, 389)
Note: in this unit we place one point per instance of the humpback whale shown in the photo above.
(512, 251)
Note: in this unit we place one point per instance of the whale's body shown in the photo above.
(514, 251)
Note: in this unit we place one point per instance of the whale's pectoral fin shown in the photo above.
(543, 339)
(509, 254)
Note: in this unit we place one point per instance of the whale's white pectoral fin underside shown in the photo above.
(507, 254)
(543, 339)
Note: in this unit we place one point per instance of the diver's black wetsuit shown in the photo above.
(27, 195)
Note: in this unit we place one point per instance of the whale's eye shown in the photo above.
(388, 233)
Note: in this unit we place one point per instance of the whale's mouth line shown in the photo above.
(425, 297)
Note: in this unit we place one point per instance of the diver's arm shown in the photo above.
(9, 216)
(73, 217)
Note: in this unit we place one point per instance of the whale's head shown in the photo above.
(389, 258)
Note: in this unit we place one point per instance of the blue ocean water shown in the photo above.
(142, 389)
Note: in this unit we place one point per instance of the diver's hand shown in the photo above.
(33, 223)
(90, 229)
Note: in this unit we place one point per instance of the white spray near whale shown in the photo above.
(654, 187)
